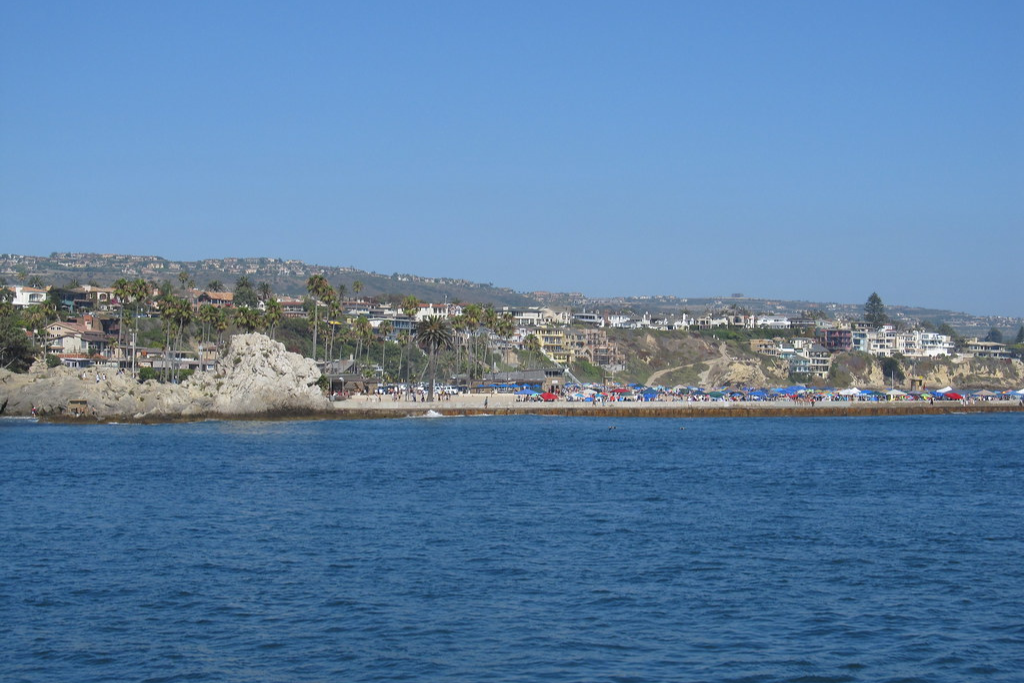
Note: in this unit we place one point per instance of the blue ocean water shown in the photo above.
(514, 549)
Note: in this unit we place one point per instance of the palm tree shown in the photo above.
(364, 332)
(273, 315)
(460, 327)
(131, 293)
(221, 324)
(433, 332)
(357, 287)
(410, 306)
(207, 317)
(489, 319)
(249, 319)
(532, 344)
(316, 285)
(121, 291)
(175, 314)
(473, 314)
(384, 329)
(505, 327)
(215, 286)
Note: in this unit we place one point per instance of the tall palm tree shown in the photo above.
(410, 306)
(489, 319)
(316, 285)
(473, 314)
(121, 291)
(505, 328)
(364, 333)
(384, 330)
(207, 317)
(175, 314)
(434, 333)
(532, 344)
(357, 287)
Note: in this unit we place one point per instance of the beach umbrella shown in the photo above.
(547, 396)
(953, 396)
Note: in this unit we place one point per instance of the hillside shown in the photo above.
(670, 359)
(288, 277)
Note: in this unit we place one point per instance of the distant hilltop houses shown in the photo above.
(564, 336)
(565, 328)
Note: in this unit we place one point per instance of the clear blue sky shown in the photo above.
(804, 150)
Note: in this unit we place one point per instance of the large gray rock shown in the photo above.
(256, 377)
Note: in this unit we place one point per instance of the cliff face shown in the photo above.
(967, 373)
(257, 377)
(669, 359)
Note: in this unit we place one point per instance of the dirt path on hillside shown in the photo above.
(660, 373)
(718, 366)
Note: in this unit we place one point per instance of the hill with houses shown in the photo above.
(288, 278)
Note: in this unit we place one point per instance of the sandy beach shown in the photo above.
(507, 404)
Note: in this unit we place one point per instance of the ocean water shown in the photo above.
(514, 549)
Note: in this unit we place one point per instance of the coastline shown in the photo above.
(368, 407)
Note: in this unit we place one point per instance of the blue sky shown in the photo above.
(800, 150)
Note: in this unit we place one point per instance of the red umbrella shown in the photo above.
(620, 390)
(548, 397)
(953, 396)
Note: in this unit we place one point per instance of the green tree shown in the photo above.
(433, 333)
(357, 287)
(16, 351)
(245, 293)
(215, 286)
(1020, 336)
(264, 292)
(994, 335)
(874, 311)
(892, 370)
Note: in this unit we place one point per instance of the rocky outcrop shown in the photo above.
(257, 377)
